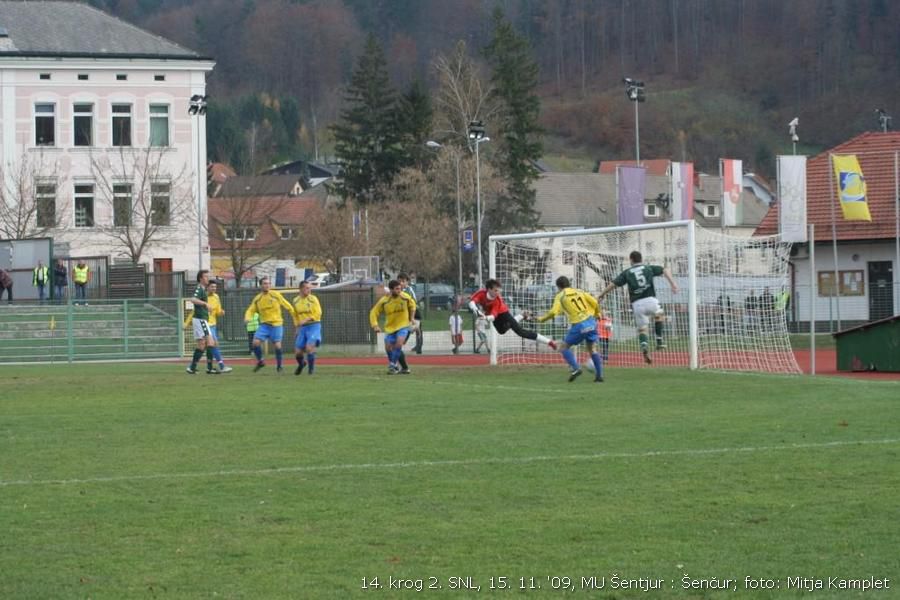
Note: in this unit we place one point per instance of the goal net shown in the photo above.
(729, 313)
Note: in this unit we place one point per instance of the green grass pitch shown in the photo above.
(139, 481)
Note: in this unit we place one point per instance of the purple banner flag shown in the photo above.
(631, 185)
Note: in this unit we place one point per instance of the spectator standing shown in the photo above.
(40, 279)
(766, 308)
(6, 284)
(60, 280)
(605, 332)
(81, 275)
(481, 332)
(750, 304)
(252, 326)
(456, 331)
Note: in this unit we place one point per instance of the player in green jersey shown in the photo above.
(642, 295)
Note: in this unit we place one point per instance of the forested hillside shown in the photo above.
(723, 76)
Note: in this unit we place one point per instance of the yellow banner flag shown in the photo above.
(852, 188)
(52, 323)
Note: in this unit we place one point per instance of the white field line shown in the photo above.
(449, 463)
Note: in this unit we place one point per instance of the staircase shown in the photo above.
(111, 330)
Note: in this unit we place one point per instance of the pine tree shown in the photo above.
(515, 78)
(367, 139)
(414, 118)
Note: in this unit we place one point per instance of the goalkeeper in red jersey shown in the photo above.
(489, 303)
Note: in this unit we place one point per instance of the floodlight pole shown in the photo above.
(637, 135)
(459, 229)
(198, 104)
(478, 208)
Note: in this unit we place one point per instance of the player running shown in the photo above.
(399, 310)
(642, 294)
(215, 311)
(268, 304)
(200, 323)
(489, 303)
(308, 320)
(582, 311)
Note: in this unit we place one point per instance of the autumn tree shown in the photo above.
(515, 79)
(327, 235)
(150, 199)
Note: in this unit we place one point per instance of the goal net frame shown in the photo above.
(752, 336)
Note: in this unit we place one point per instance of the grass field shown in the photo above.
(138, 481)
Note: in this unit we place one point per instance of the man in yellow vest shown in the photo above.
(40, 279)
(81, 275)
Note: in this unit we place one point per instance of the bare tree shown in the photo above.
(28, 190)
(149, 202)
(463, 94)
(253, 230)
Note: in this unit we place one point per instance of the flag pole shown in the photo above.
(836, 293)
(812, 298)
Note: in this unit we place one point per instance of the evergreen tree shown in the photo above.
(367, 137)
(415, 121)
(515, 78)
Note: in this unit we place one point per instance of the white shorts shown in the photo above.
(201, 329)
(645, 310)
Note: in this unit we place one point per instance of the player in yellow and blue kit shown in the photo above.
(268, 304)
(308, 320)
(582, 311)
(399, 310)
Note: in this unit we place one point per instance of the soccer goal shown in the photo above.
(729, 313)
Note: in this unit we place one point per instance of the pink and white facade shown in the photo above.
(81, 121)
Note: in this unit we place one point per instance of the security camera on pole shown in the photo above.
(635, 91)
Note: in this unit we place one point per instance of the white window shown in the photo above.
(237, 234)
(83, 123)
(121, 124)
(122, 199)
(159, 204)
(45, 199)
(712, 210)
(288, 233)
(650, 210)
(159, 125)
(84, 205)
(44, 124)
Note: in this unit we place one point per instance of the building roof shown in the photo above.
(875, 151)
(263, 212)
(655, 166)
(313, 170)
(575, 200)
(74, 29)
(260, 185)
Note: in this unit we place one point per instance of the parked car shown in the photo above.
(440, 296)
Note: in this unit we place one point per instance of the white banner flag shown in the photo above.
(732, 184)
(792, 198)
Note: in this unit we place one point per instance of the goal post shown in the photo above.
(726, 314)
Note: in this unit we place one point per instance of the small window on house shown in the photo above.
(84, 205)
(159, 125)
(121, 77)
(83, 123)
(121, 204)
(45, 124)
(650, 210)
(82, 77)
(289, 233)
(159, 78)
(121, 124)
(45, 76)
(45, 196)
(159, 204)
(712, 210)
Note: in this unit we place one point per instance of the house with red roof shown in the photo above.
(868, 253)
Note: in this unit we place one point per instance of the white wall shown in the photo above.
(854, 308)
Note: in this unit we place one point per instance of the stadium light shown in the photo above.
(884, 120)
(476, 138)
(198, 109)
(792, 131)
(437, 146)
(634, 89)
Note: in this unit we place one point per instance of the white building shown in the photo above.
(96, 135)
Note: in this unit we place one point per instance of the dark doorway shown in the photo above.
(881, 293)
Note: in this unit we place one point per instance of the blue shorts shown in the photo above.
(214, 333)
(309, 334)
(273, 333)
(391, 338)
(586, 331)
